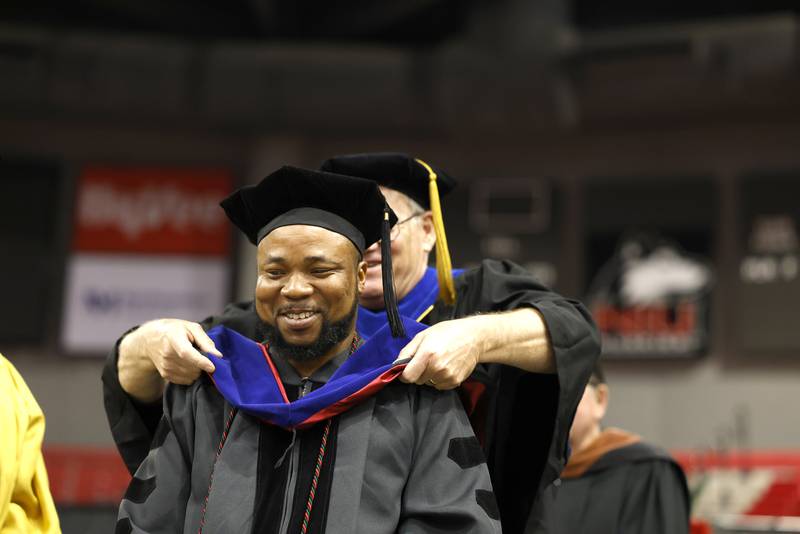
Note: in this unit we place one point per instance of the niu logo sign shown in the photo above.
(651, 299)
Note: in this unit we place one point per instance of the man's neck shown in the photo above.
(421, 269)
(306, 369)
(586, 440)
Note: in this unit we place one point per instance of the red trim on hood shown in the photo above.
(275, 374)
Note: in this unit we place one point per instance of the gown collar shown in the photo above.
(289, 375)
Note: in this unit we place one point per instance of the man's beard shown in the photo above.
(329, 336)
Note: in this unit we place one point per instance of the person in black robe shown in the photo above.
(310, 431)
(614, 482)
(519, 353)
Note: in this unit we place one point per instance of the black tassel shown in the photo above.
(389, 297)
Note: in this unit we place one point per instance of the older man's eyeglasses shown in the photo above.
(395, 233)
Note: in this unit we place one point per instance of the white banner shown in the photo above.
(108, 294)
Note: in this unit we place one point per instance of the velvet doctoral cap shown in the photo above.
(352, 207)
(349, 206)
(394, 170)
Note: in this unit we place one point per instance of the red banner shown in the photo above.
(152, 210)
(85, 476)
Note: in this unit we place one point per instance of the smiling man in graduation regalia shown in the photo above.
(309, 431)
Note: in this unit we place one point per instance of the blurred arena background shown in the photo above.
(643, 157)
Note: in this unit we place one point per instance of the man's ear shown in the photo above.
(602, 395)
(361, 275)
(429, 239)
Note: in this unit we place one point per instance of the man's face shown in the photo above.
(410, 250)
(308, 277)
(590, 412)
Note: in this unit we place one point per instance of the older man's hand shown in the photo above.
(164, 349)
(443, 355)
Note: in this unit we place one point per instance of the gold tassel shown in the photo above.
(444, 267)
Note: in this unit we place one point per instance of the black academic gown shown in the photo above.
(638, 489)
(522, 419)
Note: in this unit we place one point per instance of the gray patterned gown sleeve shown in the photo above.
(408, 462)
(448, 487)
(170, 484)
(156, 499)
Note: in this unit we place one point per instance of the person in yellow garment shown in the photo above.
(26, 506)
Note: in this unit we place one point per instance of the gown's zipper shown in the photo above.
(294, 467)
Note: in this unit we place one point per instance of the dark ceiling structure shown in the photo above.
(402, 22)
(439, 66)
(407, 22)
(608, 13)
